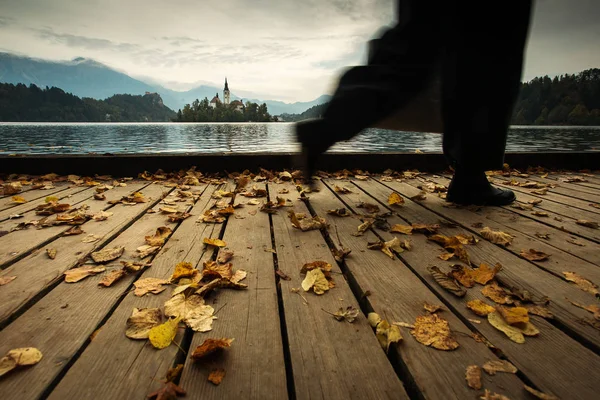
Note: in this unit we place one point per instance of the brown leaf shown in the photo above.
(446, 256)
(211, 217)
(102, 216)
(395, 199)
(99, 196)
(593, 308)
(541, 191)
(342, 190)
(539, 311)
(432, 330)
(362, 228)
(12, 188)
(210, 346)
(584, 284)
(224, 256)
(106, 255)
(178, 216)
(6, 279)
(149, 285)
(131, 266)
(307, 224)
(447, 283)
(487, 395)
(484, 274)
(540, 213)
(51, 253)
(513, 315)
(141, 321)
(495, 293)
(535, 202)
(75, 230)
(349, 314)
(169, 391)
(534, 255)
(463, 275)
(77, 274)
(425, 228)
(212, 270)
(497, 237)
(162, 233)
(168, 210)
(491, 367)
(112, 277)
(419, 197)
(216, 376)
(480, 308)
(405, 229)
(173, 373)
(370, 207)
(473, 377)
(340, 212)
(431, 307)
(545, 236)
(575, 242)
(540, 395)
(521, 206)
(589, 224)
(282, 275)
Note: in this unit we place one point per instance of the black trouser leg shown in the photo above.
(482, 64)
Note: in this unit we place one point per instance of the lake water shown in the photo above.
(82, 138)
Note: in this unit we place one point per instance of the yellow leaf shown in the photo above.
(584, 284)
(77, 274)
(315, 280)
(497, 237)
(149, 285)
(215, 242)
(162, 233)
(480, 308)
(51, 199)
(513, 315)
(51, 253)
(182, 270)
(446, 256)
(484, 274)
(514, 334)
(168, 210)
(432, 307)
(106, 255)
(141, 321)
(192, 310)
(162, 335)
(18, 358)
(405, 229)
(473, 377)
(395, 199)
(425, 228)
(495, 293)
(374, 319)
(594, 309)
(112, 277)
(19, 199)
(463, 275)
(432, 330)
(216, 376)
(491, 367)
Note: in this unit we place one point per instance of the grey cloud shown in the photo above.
(6, 21)
(85, 42)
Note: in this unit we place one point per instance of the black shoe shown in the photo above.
(475, 189)
(310, 135)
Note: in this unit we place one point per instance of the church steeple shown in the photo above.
(226, 92)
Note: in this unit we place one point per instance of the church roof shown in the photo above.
(215, 99)
(226, 87)
(236, 103)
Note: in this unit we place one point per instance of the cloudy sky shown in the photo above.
(292, 50)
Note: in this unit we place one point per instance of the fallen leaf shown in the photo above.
(447, 283)
(106, 255)
(495, 293)
(487, 395)
(182, 270)
(214, 242)
(395, 199)
(174, 373)
(146, 250)
(212, 270)
(315, 280)
(480, 308)
(51, 253)
(497, 237)
(224, 256)
(340, 212)
(405, 229)
(491, 367)
(77, 274)
(169, 391)
(387, 247)
(574, 179)
(210, 346)
(446, 256)
(162, 335)
(370, 207)
(75, 230)
(178, 216)
(282, 275)
(575, 242)
(238, 276)
(99, 196)
(593, 308)
(431, 307)
(540, 213)
(161, 234)
(404, 325)
(102, 216)
(342, 190)
(514, 334)
(484, 273)
(91, 238)
(211, 217)
(522, 206)
(534, 255)
(6, 279)
(12, 188)
(432, 330)
(341, 253)
(419, 197)
(513, 315)
(584, 284)
(20, 357)
(473, 377)
(425, 228)
(131, 266)
(18, 199)
(112, 277)
(540, 395)
(540, 311)
(306, 224)
(535, 202)
(141, 321)
(192, 310)
(595, 205)
(349, 314)
(149, 285)
(216, 376)
(168, 210)
(362, 228)
(589, 224)
(463, 275)
(545, 236)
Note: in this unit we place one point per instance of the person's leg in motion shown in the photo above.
(481, 79)
(400, 63)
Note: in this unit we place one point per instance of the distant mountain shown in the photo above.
(21, 103)
(313, 112)
(88, 78)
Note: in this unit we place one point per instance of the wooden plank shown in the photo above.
(26, 207)
(558, 178)
(36, 272)
(16, 244)
(330, 359)
(61, 323)
(398, 294)
(114, 366)
(254, 364)
(517, 271)
(588, 183)
(586, 249)
(540, 359)
(30, 195)
(567, 189)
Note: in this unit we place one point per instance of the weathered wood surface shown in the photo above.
(31, 195)
(528, 357)
(330, 359)
(398, 294)
(254, 365)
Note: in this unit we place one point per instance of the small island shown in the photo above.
(216, 110)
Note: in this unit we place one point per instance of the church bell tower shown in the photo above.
(226, 93)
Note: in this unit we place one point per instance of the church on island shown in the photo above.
(236, 104)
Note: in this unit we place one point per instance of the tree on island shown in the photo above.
(201, 111)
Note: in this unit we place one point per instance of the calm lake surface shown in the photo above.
(82, 138)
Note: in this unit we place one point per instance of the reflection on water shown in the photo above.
(48, 138)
